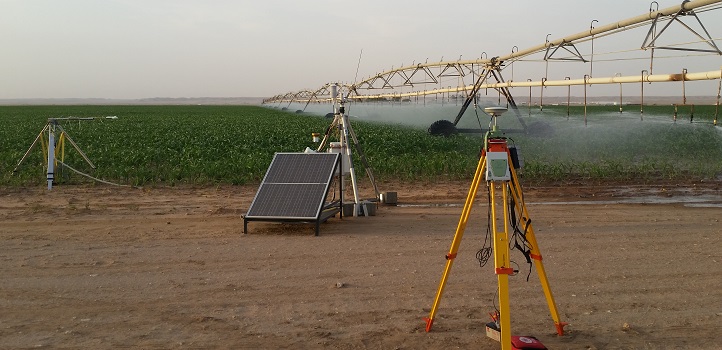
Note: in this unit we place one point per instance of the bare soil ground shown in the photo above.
(634, 267)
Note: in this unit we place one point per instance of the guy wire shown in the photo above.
(93, 178)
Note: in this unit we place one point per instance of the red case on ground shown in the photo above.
(526, 343)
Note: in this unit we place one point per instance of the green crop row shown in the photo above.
(203, 145)
(624, 146)
(206, 144)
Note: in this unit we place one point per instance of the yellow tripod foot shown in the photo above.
(560, 327)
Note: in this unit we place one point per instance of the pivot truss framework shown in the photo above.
(470, 76)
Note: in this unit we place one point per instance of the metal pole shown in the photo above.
(529, 104)
(716, 109)
(654, 34)
(585, 100)
(347, 150)
(684, 93)
(641, 104)
(710, 75)
(620, 93)
(546, 70)
(51, 155)
(541, 95)
(569, 95)
(591, 59)
(512, 62)
(675, 112)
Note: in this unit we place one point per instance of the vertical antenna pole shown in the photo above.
(51, 155)
(716, 109)
(569, 95)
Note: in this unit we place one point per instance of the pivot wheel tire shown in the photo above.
(443, 128)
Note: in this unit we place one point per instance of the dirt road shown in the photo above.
(101, 267)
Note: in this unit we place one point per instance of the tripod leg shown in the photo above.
(60, 151)
(352, 172)
(327, 134)
(535, 252)
(457, 239)
(38, 138)
(502, 262)
(63, 133)
(362, 155)
(44, 144)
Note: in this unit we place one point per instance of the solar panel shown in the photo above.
(288, 200)
(300, 168)
(295, 188)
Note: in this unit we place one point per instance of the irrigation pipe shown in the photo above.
(711, 75)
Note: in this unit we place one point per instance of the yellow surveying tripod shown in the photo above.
(496, 165)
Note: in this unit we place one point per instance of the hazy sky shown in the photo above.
(243, 48)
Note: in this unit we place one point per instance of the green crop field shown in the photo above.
(208, 145)
(627, 146)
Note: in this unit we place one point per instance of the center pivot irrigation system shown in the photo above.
(509, 223)
(472, 76)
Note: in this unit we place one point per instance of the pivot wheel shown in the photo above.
(443, 128)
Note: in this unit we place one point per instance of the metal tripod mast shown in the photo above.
(54, 147)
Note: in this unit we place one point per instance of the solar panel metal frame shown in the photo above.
(284, 177)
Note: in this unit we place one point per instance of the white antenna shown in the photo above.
(358, 65)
